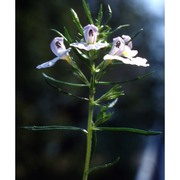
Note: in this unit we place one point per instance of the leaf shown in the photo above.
(102, 68)
(53, 127)
(125, 129)
(87, 11)
(77, 21)
(119, 27)
(77, 72)
(113, 93)
(104, 165)
(141, 77)
(109, 14)
(100, 15)
(63, 82)
(60, 34)
(102, 118)
(112, 104)
(135, 35)
(104, 115)
(70, 40)
(67, 93)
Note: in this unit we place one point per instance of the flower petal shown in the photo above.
(88, 47)
(79, 45)
(117, 47)
(64, 54)
(90, 33)
(127, 38)
(48, 63)
(129, 53)
(57, 45)
(100, 45)
(133, 61)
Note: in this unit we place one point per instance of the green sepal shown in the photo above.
(77, 21)
(130, 130)
(87, 11)
(53, 127)
(104, 165)
(63, 82)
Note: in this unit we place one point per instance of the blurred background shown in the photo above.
(61, 154)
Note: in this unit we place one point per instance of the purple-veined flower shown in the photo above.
(90, 36)
(58, 48)
(90, 33)
(122, 50)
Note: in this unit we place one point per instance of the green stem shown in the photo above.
(90, 122)
(89, 143)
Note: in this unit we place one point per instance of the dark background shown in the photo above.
(61, 154)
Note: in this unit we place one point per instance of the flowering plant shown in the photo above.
(89, 44)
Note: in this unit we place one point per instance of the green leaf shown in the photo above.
(119, 27)
(60, 34)
(87, 11)
(125, 129)
(67, 93)
(77, 72)
(77, 21)
(104, 165)
(63, 82)
(100, 15)
(102, 118)
(53, 127)
(135, 35)
(70, 40)
(109, 14)
(126, 81)
(102, 68)
(113, 93)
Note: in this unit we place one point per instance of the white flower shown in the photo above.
(122, 50)
(90, 36)
(59, 49)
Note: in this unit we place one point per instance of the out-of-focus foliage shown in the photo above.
(60, 154)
